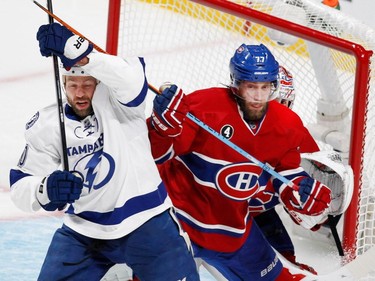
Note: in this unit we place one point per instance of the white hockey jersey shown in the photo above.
(122, 187)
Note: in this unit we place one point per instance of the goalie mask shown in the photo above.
(253, 63)
(327, 167)
(286, 93)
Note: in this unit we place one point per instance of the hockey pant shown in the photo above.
(155, 251)
(255, 260)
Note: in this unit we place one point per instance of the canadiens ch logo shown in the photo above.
(238, 181)
(89, 165)
(227, 131)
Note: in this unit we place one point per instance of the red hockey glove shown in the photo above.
(314, 197)
(307, 221)
(169, 112)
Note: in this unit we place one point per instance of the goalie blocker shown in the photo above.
(328, 168)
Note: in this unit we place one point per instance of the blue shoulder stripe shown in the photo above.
(142, 95)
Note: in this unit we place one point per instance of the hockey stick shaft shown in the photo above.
(265, 167)
(59, 100)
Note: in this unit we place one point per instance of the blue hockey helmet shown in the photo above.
(254, 63)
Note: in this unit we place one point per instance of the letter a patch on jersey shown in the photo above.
(238, 181)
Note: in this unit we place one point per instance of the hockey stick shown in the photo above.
(59, 99)
(332, 222)
(264, 166)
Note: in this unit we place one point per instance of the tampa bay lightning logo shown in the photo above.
(238, 181)
(88, 127)
(90, 165)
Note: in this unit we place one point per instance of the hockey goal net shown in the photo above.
(329, 54)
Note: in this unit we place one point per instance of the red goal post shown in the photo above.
(329, 54)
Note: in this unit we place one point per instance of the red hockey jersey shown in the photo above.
(203, 175)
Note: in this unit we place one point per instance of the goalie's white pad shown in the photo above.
(328, 168)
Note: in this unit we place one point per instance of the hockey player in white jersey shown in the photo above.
(116, 206)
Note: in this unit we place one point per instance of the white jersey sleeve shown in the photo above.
(111, 70)
(40, 157)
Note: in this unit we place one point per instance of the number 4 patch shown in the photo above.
(227, 131)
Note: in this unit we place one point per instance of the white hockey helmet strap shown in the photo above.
(331, 167)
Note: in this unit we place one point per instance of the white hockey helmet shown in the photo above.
(73, 71)
(286, 93)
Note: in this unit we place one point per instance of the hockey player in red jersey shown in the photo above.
(210, 185)
(269, 221)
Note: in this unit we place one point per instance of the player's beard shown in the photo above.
(81, 112)
(250, 113)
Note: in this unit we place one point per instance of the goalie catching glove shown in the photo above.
(169, 112)
(55, 39)
(59, 189)
(314, 197)
(328, 168)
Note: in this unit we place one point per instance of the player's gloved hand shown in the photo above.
(309, 222)
(313, 197)
(169, 111)
(55, 39)
(59, 189)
